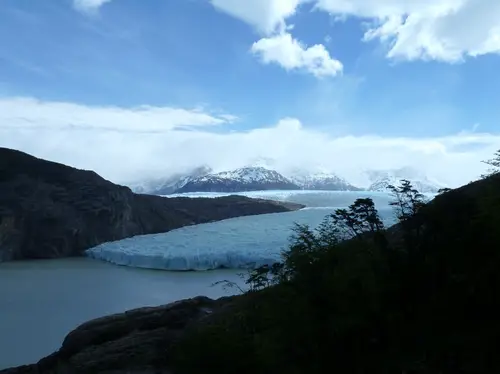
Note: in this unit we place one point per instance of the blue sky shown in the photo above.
(230, 70)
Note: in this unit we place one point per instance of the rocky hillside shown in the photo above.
(254, 178)
(50, 210)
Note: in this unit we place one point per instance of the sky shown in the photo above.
(141, 89)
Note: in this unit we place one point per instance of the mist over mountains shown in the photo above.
(265, 174)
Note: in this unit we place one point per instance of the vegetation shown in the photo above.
(354, 297)
(494, 165)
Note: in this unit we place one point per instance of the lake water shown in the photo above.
(41, 301)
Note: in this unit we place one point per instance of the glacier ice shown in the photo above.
(237, 243)
(310, 198)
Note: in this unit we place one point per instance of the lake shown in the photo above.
(41, 301)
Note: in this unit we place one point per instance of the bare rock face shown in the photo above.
(137, 341)
(50, 210)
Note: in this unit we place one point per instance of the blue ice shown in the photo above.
(238, 243)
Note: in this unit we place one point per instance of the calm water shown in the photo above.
(41, 301)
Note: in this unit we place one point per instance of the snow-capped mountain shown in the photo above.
(320, 180)
(252, 178)
(380, 179)
(168, 185)
(258, 178)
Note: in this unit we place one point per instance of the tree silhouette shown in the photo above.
(494, 164)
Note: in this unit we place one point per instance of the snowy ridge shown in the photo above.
(250, 178)
(320, 180)
(261, 176)
(380, 179)
(249, 175)
(168, 185)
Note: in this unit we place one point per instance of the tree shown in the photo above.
(407, 204)
(359, 218)
(407, 200)
(494, 164)
(308, 247)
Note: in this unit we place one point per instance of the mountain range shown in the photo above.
(170, 184)
(259, 178)
(380, 179)
(320, 180)
(252, 178)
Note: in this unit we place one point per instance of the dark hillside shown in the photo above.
(50, 210)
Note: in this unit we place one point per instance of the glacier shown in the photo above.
(310, 198)
(237, 243)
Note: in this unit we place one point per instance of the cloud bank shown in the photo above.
(442, 30)
(128, 144)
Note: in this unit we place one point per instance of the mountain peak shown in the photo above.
(320, 179)
(380, 179)
(171, 183)
(250, 178)
(249, 174)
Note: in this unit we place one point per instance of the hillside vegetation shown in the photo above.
(420, 297)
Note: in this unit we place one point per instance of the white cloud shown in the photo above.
(14, 113)
(284, 50)
(89, 6)
(442, 30)
(267, 16)
(445, 30)
(133, 144)
(279, 47)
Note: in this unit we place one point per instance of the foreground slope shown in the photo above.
(423, 301)
(50, 210)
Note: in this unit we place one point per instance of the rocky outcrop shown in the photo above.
(137, 341)
(50, 210)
